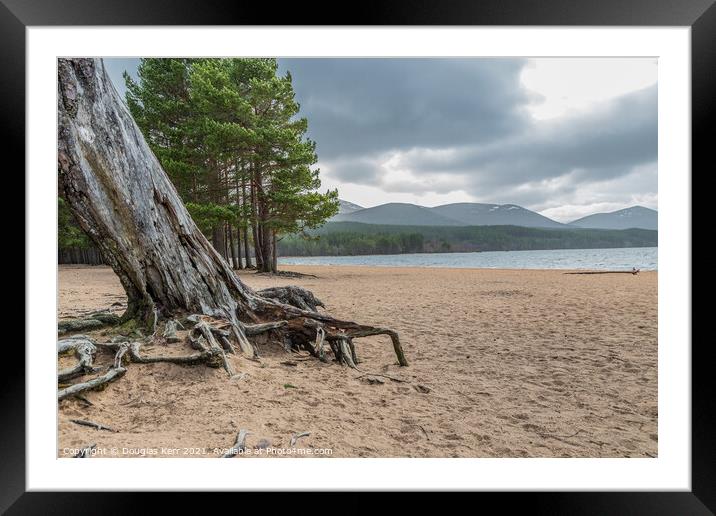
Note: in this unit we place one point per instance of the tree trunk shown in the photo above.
(274, 253)
(246, 225)
(125, 202)
(218, 239)
(235, 262)
(254, 226)
(266, 256)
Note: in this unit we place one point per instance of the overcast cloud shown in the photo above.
(563, 137)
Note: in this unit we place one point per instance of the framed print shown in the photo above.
(417, 252)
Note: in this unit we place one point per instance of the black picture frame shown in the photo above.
(700, 15)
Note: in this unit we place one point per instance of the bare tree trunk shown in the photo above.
(125, 202)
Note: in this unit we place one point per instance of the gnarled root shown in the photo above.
(92, 321)
(84, 349)
(95, 383)
(293, 295)
(303, 325)
(288, 313)
(170, 330)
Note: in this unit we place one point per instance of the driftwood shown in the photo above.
(633, 271)
(85, 452)
(296, 437)
(97, 426)
(239, 445)
(95, 383)
(84, 349)
(205, 357)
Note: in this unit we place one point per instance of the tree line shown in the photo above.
(229, 135)
(353, 238)
(343, 243)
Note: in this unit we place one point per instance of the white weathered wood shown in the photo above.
(123, 199)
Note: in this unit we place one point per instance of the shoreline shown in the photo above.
(597, 259)
(282, 267)
(441, 267)
(511, 359)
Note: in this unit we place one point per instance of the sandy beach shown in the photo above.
(503, 363)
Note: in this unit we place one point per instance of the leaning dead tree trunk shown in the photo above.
(124, 201)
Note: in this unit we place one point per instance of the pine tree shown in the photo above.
(228, 133)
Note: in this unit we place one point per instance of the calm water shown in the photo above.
(644, 258)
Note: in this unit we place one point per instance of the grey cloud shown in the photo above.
(466, 119)
(357, 106)
(596, 146)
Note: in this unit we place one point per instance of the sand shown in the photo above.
(517, 364)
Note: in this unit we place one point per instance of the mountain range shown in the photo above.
(480, 214)
(634, 217)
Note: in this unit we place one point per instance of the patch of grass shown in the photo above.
(289, 386)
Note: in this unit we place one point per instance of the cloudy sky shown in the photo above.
(564, 137)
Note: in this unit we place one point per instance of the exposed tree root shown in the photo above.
(92, 321)
(287, 274)
(289, 317)
(205, 357)
(95, 383)
(84, 349)
(633, 272)
(170, 330)
(292, 295)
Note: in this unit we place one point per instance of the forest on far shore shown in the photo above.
(354, 238)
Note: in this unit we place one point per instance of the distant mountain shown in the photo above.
(397, 213)
(458, 214)
(348, 207)
(634, 217)
(476, 214)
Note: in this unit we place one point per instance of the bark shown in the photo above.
(254, 225)
(218, 239)
(246, 225)
(274, 253)
(266, 254)
(236, 262)
(124, 201)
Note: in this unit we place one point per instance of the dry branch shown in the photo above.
(296, 437)
(633, 271)
(85, 452)
(93, 384)
(97, 426)
(84, 349)
(239, 445)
